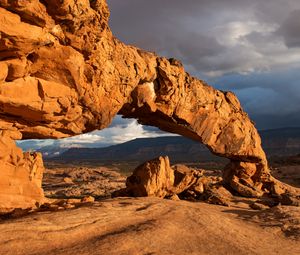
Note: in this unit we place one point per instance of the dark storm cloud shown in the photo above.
(290, 30)
(250, 47)
(271, 98)
(168, 29)
(210, 37)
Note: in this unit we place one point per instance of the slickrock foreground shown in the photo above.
(62, 73)
(154, 226)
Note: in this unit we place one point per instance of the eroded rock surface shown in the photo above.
(63, 73)
(130, 226)
(157, 178)
(154, 178)
(21, 174)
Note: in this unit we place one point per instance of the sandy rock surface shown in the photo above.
(131, 226)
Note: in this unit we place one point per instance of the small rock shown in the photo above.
(88, 199)
(185, 177)
(277, 189)
(189, 195)
(73, 201)
(198, 187)
(60, 202)
(68, 180)
(120, 193)
(49, 207)
(174, 197)
(18, 212)
(217, 200)
(53, 208)
(69, 206)
(258, 206)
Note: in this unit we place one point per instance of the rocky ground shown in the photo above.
(72, 222)
(288, 173)
(78, 182)
(287, 169)
(154, 226)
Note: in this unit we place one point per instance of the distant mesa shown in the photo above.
(276, 142)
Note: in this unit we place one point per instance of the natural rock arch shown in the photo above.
(63, 73)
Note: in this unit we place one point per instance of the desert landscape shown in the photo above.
(80, 217)
(217, 186)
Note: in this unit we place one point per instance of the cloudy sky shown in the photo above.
(249, 47)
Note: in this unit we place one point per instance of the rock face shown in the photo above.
(21, 174)
(156, 178)
(63, 73)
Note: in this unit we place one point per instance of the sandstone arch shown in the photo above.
(63, 73)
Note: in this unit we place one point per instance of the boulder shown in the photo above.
(185, 177)
(155, 178)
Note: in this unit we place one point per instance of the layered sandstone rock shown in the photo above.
(63, 73)
(21, 174)
(156, 178)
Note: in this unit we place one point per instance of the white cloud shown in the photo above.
(90, 138)
(232, 33)
(131, 131)
(125, 132)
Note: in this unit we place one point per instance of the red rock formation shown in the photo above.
(63, 73)
(21, 174)
(156, 178)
